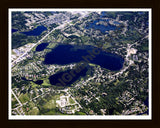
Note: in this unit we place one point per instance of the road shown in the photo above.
(16, 98)
(59, 27)
(127, 57)
(43, 94)
(25, 53)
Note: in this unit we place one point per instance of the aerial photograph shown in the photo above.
(74, 63)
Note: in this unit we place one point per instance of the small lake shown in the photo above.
(67, 54)
(35, 32)
(54, 79)
(14, 30)
(41, 46)
(39, 82)
(100, 27)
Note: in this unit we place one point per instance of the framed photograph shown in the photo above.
(80, 64)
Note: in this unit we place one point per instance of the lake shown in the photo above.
(39, 82)
(35, 32)
(14, 30)
(41, 46)
(100, 27)
(67, 54)
(58, 77)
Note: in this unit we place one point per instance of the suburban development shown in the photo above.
(79, 63)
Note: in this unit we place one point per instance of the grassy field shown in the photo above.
(34, 111)
(117, 81)
(51, 45)
(71, 101)
(54, 112)
(24, 98)
(50, 105)
(46, 82)
(13, 53)
(14, 101)
(33, 84)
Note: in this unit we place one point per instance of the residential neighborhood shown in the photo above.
(114, 81)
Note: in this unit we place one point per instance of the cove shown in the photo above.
(67, 54)
(41, 46)
(35, 32)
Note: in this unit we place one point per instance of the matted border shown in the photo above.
(86, 117)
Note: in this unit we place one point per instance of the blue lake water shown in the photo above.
(103, 14)
(39, 82)
(116, 22)
(35, 32)
(100, 27)
(14, 30)
(41, 46)
(66, 54)
(23, 78)
(54, 79)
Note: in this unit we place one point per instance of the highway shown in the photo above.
(59, 27)
(25, 53)
(16, 98)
